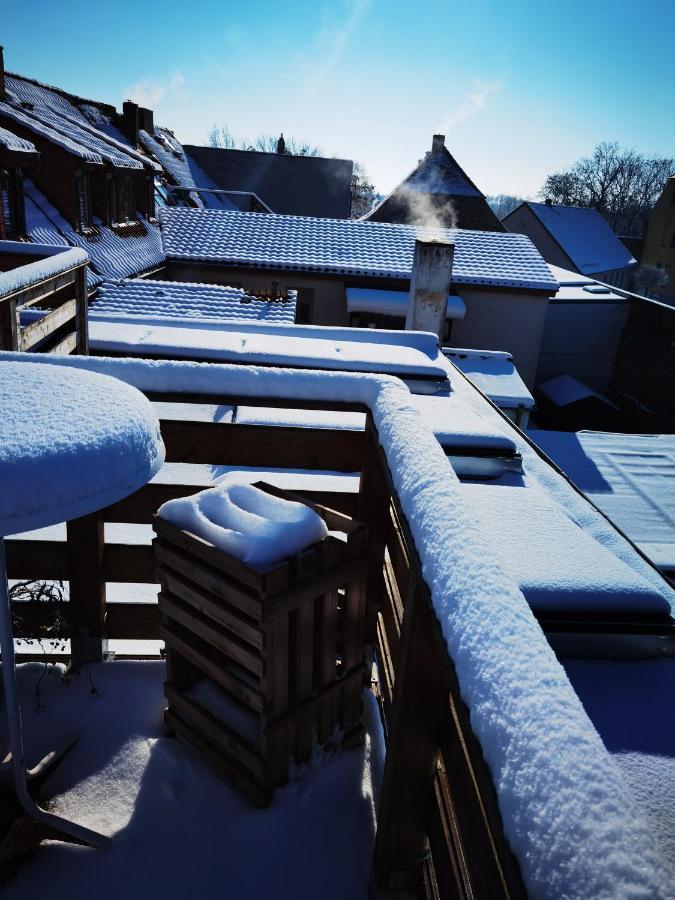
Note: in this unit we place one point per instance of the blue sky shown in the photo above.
(520, 89)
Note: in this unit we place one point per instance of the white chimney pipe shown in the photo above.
(430, 286)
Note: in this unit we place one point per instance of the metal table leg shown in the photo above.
(14, 724)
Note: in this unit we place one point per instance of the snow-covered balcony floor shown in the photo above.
(179, 831)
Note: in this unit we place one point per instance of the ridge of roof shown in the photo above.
(75, 99)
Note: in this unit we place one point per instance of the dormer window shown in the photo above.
(126, 204)
(110, 199)
(12, 214)
(82, 200)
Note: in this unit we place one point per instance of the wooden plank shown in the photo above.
(87, 579)
(9, 324)
(39, 330)
(210, 606)
(214, 731)
(208, 578)
(142, 505)
(211, 663)
(354, 625)
(303, 672)
(129, 562)
(42, 290)
(245, 783)
(66, 346)
(82, 315)
(200, 626)
(241, 400)
(48, 560)
(326, 651)
(276, 692)
(132, 621)
(291, 599)
(229, 444)
(417, 720)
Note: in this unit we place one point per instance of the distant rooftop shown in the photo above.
(583, 235)
(347, 247)
(14, 144)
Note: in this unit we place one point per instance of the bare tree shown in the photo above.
(651, 280)
(221, 136)
(503, 204)
(622, 184)
(363, 192)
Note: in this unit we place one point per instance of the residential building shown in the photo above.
(437, 192)
(575, 238)
(295, 185)
(659, 246)
(501, 278)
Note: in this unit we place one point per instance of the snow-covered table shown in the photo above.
(71, 442)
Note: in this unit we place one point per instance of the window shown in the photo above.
(110, 199)
(126, 202)
(12, 210)
(304, 306)
(82, 200)
(149, 192)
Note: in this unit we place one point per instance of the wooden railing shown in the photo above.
(439, 830)
(54, 296)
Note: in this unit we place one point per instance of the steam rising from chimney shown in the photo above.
(426, 209)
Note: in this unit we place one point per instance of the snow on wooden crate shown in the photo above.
(263, 662)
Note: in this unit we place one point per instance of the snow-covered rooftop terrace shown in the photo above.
(563, 801)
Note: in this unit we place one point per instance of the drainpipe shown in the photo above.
(430, 286)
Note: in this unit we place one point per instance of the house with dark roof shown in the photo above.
(575, 238)
(296, 185)
(17, 157)
(659, 245)
(500, 280)
(437, 192)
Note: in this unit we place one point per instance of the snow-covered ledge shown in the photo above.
(55, 261)
(566, 809)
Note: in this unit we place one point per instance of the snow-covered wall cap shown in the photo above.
(49, 134)
(348, 247)
(15, 144)
(56, 260)
(566, 809)
(71, 443)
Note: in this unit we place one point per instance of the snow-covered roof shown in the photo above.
(54, 136)
(576, 288)
(347, 247)
(631, 477)
(182, 300)
(111, 255)
(495, 374)
(584, 236)
(14, 143)
(394, 303)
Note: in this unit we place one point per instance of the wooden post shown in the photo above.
(429, 286)
(82, 313)
(418, 718)
(9, 324)
(87, 589)
(374, 498)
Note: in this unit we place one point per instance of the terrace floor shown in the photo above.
(178, 830)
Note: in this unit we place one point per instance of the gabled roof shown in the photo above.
(14, 144)
(295, 185)
(347, 247)
(40, 129)
(584, 236)
(437, 189)
(171, 300)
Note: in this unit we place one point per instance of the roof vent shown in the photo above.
(438, 143)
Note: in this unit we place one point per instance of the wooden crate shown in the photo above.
(284, 645)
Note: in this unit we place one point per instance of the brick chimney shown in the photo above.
(146, 119)
(438, 143)
(2, 75)
(130, 121)
(430, 286)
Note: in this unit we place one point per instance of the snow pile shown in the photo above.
(54, 263)
(566, 811)
(71, 443)
(494, 373)
(248, 523)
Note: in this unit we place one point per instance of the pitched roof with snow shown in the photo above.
(15, 144)
(437, 188)
(182, 300)
(41, 129)
(347, 247)
(584, 236)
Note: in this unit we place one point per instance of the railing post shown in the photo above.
(9, 325)
(87, 589)
(417, 722)
(82, 313)
(373, 508)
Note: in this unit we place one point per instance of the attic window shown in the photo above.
(11, 205)
(82, 201)
(126, 206)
